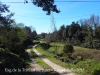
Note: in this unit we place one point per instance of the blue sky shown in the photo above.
(31, 15)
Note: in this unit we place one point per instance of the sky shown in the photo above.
(35, 17)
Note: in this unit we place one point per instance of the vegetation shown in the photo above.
(45, 45)
(84, 33)
(47, 5)
(72, 46)
(84, 38)
(82, 61)
(14, 39)
(68, 48)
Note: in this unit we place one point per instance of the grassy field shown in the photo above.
(89, 66)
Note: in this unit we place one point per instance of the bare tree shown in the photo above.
(54, 31)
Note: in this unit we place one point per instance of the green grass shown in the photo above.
(82, 48)
(56, 43)
(39, 39)
(88, 67)
(60, 45)
(91, 67)
(42, 63)
(51, 57)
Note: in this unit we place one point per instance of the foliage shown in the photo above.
(12, 38)
(27, 42)
(42, 35)
(34, 34)
(96, 44)
(85, 33)
(29, 33)
(46, 5)
(68, 48)
(10, 60)
(89, 66)
(62, 33)
(84, 61)
(45, 45)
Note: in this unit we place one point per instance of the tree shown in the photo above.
(42, 35)
(46, 5)
(48, 38)
(73, 30)
(53, 35)
(3, 9)
(34, 34)
(62, 33)
(91, 32)
(54, 29)
(67, 28)
(28, 31)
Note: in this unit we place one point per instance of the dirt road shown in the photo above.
(35, 66)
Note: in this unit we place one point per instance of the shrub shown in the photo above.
(96, 72)
(45, 45)
(27, 42)
(68, 48)
(11, 61)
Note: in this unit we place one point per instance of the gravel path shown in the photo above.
(34, 65)
(33, 62)
(54, 66)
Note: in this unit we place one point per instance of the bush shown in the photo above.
(10, 60)
(96, 72)
(45, 45)
(27, 42)
(68, 48)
